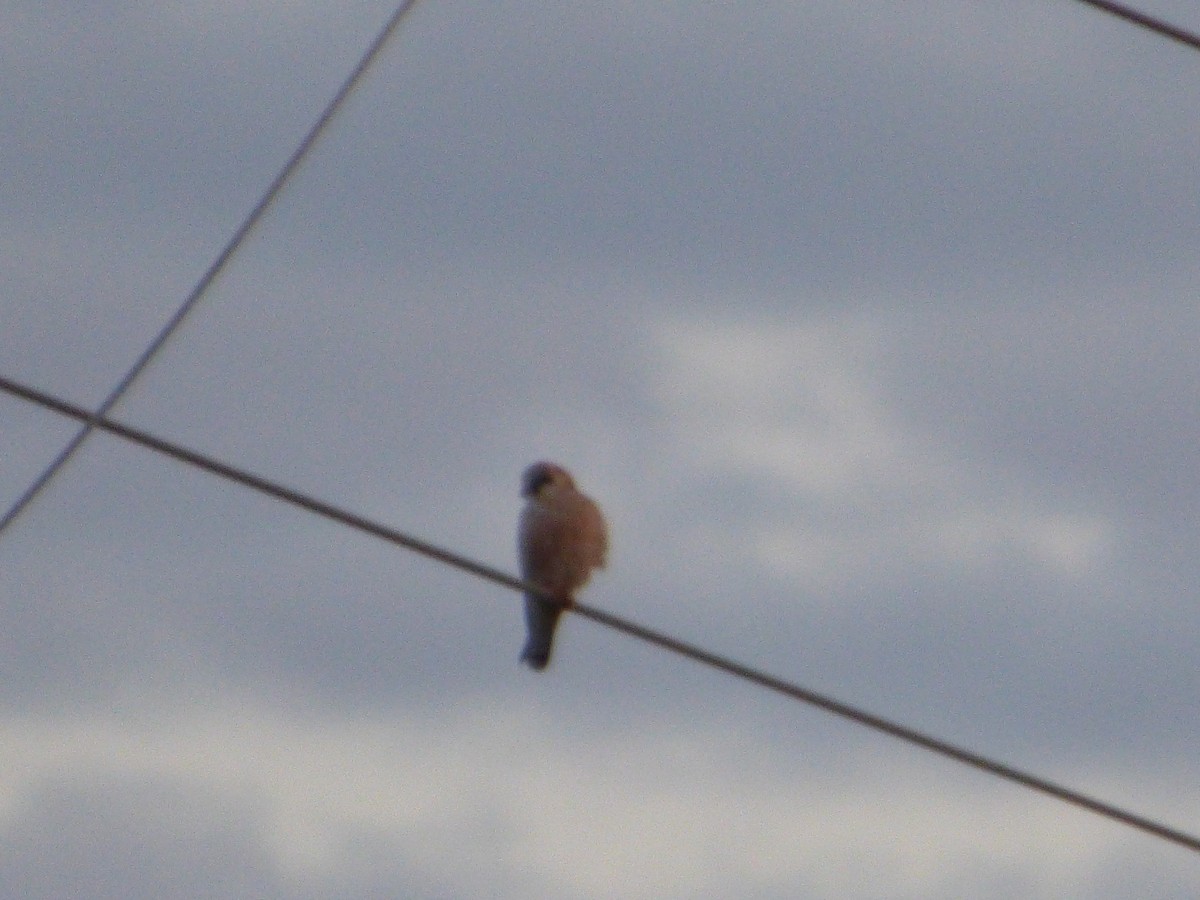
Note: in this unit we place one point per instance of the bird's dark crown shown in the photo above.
(540, 474)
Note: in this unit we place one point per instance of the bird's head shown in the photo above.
(542, 475)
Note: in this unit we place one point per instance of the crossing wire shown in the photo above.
(218, 264)
(1144, 20)
(1127, 13)
(97, 419)
(1122, 11)
(641, 632)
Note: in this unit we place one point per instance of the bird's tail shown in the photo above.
(541, 618)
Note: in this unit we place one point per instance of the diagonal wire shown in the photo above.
(1152, 23)
(1122, 11)
(1119, 10)
(641, 632)
(218, 264)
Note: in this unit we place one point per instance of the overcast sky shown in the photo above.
(872, 327)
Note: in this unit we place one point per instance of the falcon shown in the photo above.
(561, 538)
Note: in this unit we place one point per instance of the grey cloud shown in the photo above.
(473, 270)
(123, 837)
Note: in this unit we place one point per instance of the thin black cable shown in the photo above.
(664, 641)
(1127, 13)
(215, 269)
(1153, 23)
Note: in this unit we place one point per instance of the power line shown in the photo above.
(641, 632)
(218, 264)
(1119, 10)
(1152, 23)
(1127, 13)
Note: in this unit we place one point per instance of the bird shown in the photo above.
(561, 538)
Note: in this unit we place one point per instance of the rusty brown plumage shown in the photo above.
(561, 538)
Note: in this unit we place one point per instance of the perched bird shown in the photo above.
(561, 538)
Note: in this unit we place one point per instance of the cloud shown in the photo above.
(498, 800)
(870, 332)
(795, 403)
